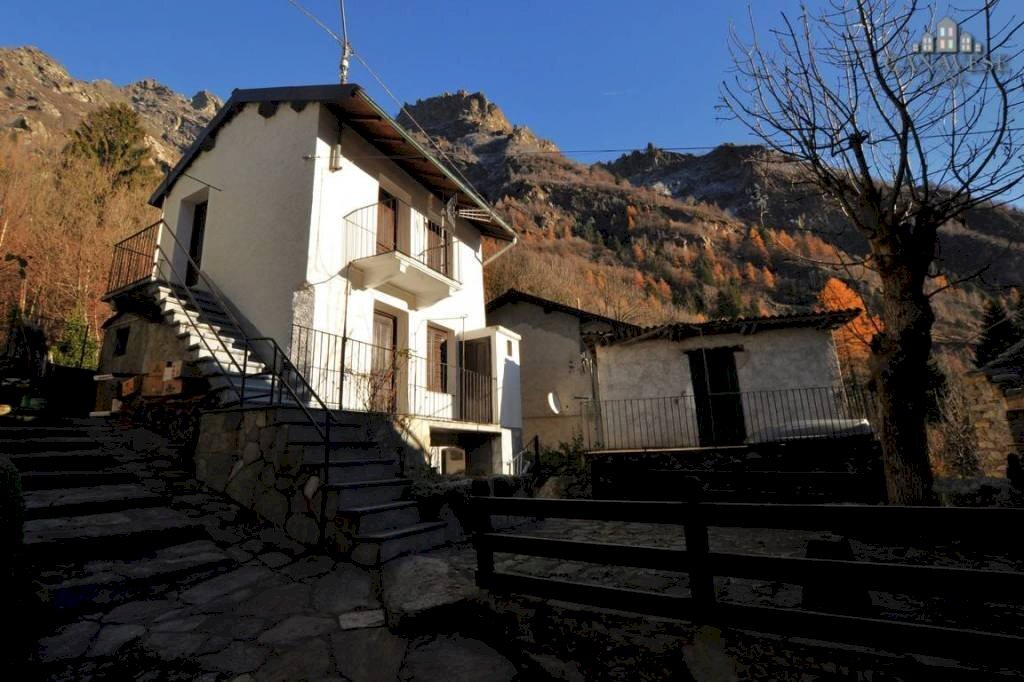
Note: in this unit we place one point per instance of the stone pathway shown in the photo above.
(277, 612)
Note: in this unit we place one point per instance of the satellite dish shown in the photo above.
(554, 404)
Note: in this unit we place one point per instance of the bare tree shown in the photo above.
(903, 137)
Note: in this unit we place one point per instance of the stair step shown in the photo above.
(31, 445)
(373, 549)
(206, 313)
(123, 533)
(363, 493)
(375, 518)
(221, 326)
(97, 584)
(355, 470)
(36, 432)
(66, 460)
(49, 480)
(42, 504)
(303, 430)
(232, 363)
(313, 452)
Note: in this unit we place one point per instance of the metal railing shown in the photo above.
(363, 377)
(722, 419)
(134, 258)
(283, 384)
(394, 226)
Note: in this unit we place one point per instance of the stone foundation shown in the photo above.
(246, 456)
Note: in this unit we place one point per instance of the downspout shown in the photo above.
(502, 250)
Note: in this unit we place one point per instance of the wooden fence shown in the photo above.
(702, 566)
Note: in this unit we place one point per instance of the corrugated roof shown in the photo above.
(1007, 370)
(355, 108)
(827, 319)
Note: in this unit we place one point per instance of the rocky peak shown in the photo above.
(454, 115)
(207, 102)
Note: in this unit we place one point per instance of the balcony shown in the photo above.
(392, 247)
(362, 377)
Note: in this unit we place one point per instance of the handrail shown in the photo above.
(249, 350)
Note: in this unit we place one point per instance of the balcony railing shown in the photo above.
(134, 258)
(721, 419)
(363, 377)
(392, 226)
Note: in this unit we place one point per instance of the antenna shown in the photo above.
(346, 47)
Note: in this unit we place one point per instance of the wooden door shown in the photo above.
(476, 382)
(387, 223)
(716, 392)
(195, 244)
(383, 365)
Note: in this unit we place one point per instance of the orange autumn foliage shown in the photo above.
(853, 341)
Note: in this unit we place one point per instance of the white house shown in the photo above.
(320, 224)
(722, 382)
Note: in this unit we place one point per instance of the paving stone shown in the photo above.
(278, 601)
(112, 637)
(455, 658)
(173, 645)
(213, 644)
(419, 587)
(309, 567)
(71, 641)
(275, 559)
(236, 658)
(354, 620)
(185, 624)
(369, 655)
(234, 625)
(224, 584)
(347, 588)
(295, 628)
(308, 661)
(141, 611)
(238, 554)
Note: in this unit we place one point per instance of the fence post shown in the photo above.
(482, 524)
(702, 580)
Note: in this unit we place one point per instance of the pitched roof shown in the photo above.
(1007, 370)
(355, 108)
(516, 296)
(828, 319)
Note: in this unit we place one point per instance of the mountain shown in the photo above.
(650, 237)
(659, 235)
(40, 100)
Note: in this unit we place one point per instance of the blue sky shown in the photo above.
(585, 73)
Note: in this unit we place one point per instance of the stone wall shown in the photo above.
(988, 410)
(245, 455)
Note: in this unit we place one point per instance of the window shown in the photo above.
(508, 347)
(438, 243)
(121, 341)
(437, 360)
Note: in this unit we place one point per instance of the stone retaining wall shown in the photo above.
(246, 456)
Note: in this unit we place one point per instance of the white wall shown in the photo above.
(771, 367)
(257, 226)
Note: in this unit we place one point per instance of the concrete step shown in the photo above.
(129, 532)
(231, 362)
(179, 291)
(376, 518)
(67, 460)
(303, 430)
(100, 583)
(206, 313)
(355, 470)
(295, 415)
(221, 326)
(341, 451)
(53, 503)
(364, 493)
(373, 549)
(194, 339)
(49, 480)
(12, 446)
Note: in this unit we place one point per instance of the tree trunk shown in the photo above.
(901, 379)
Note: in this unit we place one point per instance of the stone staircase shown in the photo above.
(94, 533)
(373, 508)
